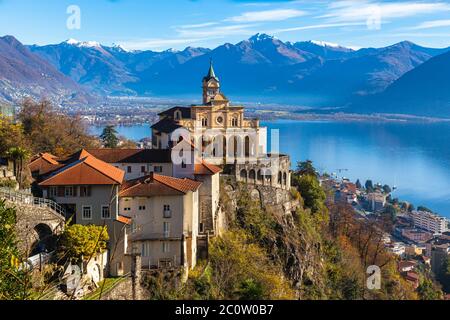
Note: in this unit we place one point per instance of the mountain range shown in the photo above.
(312, 73)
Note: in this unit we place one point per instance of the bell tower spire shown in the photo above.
(211, 84)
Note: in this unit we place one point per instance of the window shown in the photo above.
(167, 211)
(129, 169)
(204, 122)
(127, 209)
(141, 208)
(53, 192)
(165, 247)
(145, 249)
(234, 122)
(158, 169)
(87, 213)
(143, 169)
(166, 229)
(183, 165)
(106, 214)
(68, 191)
(85, 191)
(178, 115)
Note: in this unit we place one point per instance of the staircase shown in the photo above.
(29, 199)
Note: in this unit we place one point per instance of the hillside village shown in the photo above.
(208, 169)
(420, 238)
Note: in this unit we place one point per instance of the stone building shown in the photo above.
(223, 136)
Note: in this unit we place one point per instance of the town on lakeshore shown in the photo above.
(163, 204)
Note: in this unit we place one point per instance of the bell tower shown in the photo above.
(211, 85)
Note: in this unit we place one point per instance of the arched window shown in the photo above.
(243, 174)
(247, 146)
(252, 175)
(204, 122)
(260, 177)
(280, 178)
(285, 178)
(234, 122)
(178, 115)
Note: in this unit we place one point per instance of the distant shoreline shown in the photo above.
(292, 116)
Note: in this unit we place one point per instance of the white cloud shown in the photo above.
(267, 15)
(432, 24)
(155, 44)
(199, 25)
(217, 32)
(319, 26)
(352, 10)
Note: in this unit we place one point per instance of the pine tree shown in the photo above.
(109, 137)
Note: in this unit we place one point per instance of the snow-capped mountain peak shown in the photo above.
(85, 44)
(326, 44)
(261, 37)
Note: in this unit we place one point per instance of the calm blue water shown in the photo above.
(415, 157)
(136, 132)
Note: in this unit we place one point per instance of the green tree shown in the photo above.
(391, 212)
(311, 192)
(428, 291)
(80, 241)
(109, 137)
(306, 168)
(358, 184)
(387, 189)
(369, 185)
(444, 275)
(15, 284)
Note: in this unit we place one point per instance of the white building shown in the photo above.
(429, 221)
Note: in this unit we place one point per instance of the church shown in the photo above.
(222, 135)
(216, 127)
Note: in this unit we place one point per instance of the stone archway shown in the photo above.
(255, 195)
(45, 240)
(252, 176)
(243, 175)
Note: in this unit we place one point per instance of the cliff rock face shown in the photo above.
(273, 218)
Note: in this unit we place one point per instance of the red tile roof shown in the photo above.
(43, 164)
(87, 170)
(406, 264)
(205, 168)
(158, 185)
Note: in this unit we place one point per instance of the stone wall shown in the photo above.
(270, 197)
(34, 224)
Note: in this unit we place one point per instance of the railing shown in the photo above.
(29, 199)
(37, 261)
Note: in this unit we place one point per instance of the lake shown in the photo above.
(415, 157)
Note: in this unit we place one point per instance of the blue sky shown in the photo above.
(159, 25)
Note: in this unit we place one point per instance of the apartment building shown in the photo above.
(429, 221)
(165, 216)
